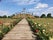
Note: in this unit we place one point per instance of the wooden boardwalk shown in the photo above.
(21, 31)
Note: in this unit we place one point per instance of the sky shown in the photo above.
(37, 7)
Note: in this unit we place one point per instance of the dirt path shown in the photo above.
(20, 32)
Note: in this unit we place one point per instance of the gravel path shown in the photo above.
(21, 31)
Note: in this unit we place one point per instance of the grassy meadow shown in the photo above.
(46, 22)
(6, 24)
(7, 21)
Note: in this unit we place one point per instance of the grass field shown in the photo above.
(47, 22)
(6, 24)
(6, 21)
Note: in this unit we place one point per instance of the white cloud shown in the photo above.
(4, 13)
(38, 7)
(35, 11)
(49, 10)
(25, 2)
(42, 10)
(22, 2)
(41, 5)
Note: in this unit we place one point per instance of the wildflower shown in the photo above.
(36, 30)
(39, 24)
(1, 22)
(48, 23)
(35, 23)
(44, 25)
(43, 30)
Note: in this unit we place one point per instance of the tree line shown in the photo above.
(45, 16)
(5, 16)
(42, 16)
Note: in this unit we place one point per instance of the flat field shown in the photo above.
(6, 21)
(46, 22)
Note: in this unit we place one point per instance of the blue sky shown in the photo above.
(38, 7)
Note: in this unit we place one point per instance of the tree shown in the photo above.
(4, 16)
(49, 15)
(0, 16)
(13, 15)
(43, 16)
(36, 16)
(9, 16)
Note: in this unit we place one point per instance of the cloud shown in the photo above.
(35, 11)
(24, 2)
(41, 5)
(4, 13)
(49, 10)
(41, 10)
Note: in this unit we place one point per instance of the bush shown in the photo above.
(1, 35)
(9, 17)
(37, 16)
(4, 16)
(5, 30)
(39, 30)
(15, 22)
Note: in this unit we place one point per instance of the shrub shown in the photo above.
(5, 30)
(1, 35)
(36, 16)
(4, 16)
(39, 30)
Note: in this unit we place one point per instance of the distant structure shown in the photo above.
(24, 14)
(23, 11)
